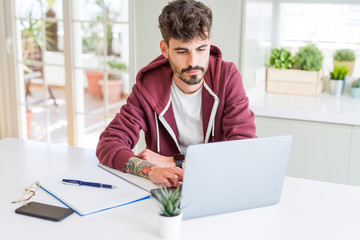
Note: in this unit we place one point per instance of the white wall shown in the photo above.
(225, 31)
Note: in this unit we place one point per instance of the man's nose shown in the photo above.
(192, 59)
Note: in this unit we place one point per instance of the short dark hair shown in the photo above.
(185, 20)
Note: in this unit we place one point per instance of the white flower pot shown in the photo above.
(169, 227)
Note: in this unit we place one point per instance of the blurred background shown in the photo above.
(68, 66)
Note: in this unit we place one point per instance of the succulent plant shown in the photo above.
(169, 201)
(356, 83)
(339, 72)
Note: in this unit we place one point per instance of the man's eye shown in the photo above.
(201, 49)
(181, 52)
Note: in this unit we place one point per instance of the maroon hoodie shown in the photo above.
(225, 112)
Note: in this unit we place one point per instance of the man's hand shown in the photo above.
(157, 159)
(170, 177)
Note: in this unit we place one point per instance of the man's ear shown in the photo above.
(164, 48)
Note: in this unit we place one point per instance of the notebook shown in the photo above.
(85, 200)
(233, 175)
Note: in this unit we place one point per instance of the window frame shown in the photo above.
(12, 99)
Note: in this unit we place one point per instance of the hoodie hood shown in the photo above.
(159, 70)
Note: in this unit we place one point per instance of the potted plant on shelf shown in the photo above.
(355, 89)
(308, 58)
(115, 82)
(345, 57)
(280, 58)
(300, 75)
(337, 79)
(170, 216)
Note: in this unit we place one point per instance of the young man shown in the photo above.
(188, 95)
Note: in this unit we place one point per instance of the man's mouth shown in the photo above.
(193, 70)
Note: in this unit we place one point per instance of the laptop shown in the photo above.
(233, 175)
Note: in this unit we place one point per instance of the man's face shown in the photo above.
(188, 60)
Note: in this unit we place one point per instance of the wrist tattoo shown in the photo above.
(138, 167)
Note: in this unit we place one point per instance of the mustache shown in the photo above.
(192, 68)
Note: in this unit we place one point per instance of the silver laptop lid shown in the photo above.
(234, 175)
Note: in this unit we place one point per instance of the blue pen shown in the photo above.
(83, 183)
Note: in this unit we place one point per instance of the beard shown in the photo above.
(190, 79)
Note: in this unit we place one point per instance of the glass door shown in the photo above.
(73, 61)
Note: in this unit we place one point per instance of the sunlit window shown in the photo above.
(330, 26)
(98, 31)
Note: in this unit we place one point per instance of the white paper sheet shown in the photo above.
(87, 200)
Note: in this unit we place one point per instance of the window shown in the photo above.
(330, 26)
(87, 40)
(291, 24)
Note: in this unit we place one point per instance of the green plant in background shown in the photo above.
(92, 40)
(344, 55)
(280, 58)
(51, 28)
(169, 201)
(339, 72)
(114, 64)
(356, 83)
(308, 58)
(32, 41)
(117, 65)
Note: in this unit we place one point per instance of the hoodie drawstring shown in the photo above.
(213, 131)
(157, 133)
(211, 127)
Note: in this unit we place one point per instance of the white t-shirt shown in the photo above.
(188, 116)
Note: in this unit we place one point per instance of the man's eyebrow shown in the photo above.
(185, 49)
(180, 48)
(204, 45)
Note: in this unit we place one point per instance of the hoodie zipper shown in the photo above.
(167, 127)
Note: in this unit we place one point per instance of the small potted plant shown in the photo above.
(345, 57)
(280, 58)
(170, 216)
(115, 83)
(299, 75)
(337, 79)
(355, 89)
(308, 58)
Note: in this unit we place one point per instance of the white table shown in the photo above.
(307, 210)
